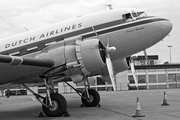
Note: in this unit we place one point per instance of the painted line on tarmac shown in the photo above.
(119, 113)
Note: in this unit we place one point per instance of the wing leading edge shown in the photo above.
(14, 60)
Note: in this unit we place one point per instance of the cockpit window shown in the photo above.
(127, 17)
(141, 14)
(134, 14)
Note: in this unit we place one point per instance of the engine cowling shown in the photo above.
(119, 66)
(92, 54)
(80, 57)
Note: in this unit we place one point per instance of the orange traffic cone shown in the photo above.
(138, 110)
(165, 100)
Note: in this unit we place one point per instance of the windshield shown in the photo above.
(133, 15)
(141, 14)
(127, 17)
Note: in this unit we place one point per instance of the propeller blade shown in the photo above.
(107, 43)
(145, 54)
(110, 70)
(133, 72)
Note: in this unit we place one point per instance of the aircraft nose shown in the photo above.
(166, 26)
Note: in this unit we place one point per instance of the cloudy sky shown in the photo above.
(32, 14)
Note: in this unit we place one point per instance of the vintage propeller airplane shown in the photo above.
(75, 49)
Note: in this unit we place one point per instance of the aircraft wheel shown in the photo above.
(59, 106)
(94, 98)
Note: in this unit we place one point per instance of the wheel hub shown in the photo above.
(91, 99)
(54, 106)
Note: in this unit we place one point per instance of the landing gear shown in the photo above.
(58, 107)
(54, 104)
(93, 100)
(89, 97)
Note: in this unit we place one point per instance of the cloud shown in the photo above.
(20, 13)
(37, 13)
(17, 14)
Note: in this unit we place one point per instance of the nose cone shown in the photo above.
(166, 26)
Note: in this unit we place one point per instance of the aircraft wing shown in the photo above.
(14, 61)
(161, 66)
(13, 68)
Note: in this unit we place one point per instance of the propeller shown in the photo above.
(107, 51)
(109, 64)
(134, 74)
(145, 54)
(133, 70)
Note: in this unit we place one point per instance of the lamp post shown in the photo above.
(169, 46)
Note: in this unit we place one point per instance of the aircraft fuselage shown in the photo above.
(128, 37)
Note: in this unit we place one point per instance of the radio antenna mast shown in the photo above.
(109, 6)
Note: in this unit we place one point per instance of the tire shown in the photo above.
(59, 106)
(94, 98)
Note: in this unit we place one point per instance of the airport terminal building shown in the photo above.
(165, 76)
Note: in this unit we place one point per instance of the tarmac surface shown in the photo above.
(120, 105)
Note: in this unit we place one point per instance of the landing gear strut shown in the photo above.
(89, 97)
(58, 107)
(93, 100)
(54, 104)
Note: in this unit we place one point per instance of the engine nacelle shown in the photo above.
(80, 57)
(91, 81)
(91, 54)
(120, 65)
